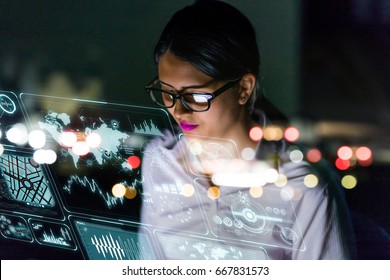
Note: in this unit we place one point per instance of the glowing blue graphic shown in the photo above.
(15, 228)
(148, 129)
(53, 234)
(7, 105)
(111, 138)
(110, 243)
(25, 181)
(91, 184)
(51, 238)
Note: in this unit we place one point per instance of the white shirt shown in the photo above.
(249, 214)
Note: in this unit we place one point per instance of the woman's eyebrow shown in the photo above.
(191, 86)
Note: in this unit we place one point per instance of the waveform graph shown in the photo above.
(25, 181)
(53, 234)
(106, 242)
(148, 128)
(93, 187)
(14, 227)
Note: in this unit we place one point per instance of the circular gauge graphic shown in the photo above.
(7, 105)
(217, 151)
(250, 216)
(289, 236)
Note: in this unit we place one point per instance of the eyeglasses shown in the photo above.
(165, 96)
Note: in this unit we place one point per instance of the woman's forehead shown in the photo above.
(181, 74)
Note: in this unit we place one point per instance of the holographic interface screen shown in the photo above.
(71, 179)
(62, 158)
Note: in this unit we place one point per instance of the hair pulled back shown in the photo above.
(220, 41)
(214, 37)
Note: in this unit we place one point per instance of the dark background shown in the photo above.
(326, 64)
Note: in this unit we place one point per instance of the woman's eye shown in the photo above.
(200, 98)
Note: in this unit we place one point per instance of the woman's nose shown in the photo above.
(179, 109)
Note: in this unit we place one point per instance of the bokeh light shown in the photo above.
(80, 148)
(345, 153)
(273, 133)
(314, 155)
(363, 153)
(239, 179)
(68, 139)
(42, 156)
(196, 148)
(187, 190)
(248, 154)
(291, 134)
(118, 190)
(131, 192)
(18, 134)
(271, 175)
(365, 163)
(93, 140)
(297, 194)
(37, 139)
(310, 180)
(213, 193)
(296, 156)
(39, 156)
(281, 181)
(256, 192)
(349, 181)
(287, 193)
(256, 133)
(1, 149)
(134, 162)
(51, 156)
(342, 164)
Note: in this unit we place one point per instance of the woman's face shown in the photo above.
(225, 115)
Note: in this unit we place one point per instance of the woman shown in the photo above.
(214, 191)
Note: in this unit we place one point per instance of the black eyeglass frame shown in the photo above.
(149, 89)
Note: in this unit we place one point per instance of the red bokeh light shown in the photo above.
(134, 162)
(314, 155)
(363, 153)
(291, 134)
(342, 164)
(256, 133)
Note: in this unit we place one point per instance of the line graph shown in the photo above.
(109, 200)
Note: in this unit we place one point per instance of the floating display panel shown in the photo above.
(102, 241)
(98, 147)
(179, 246)
(14, 227)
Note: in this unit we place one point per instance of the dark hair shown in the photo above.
(217, 39)
(214, 37)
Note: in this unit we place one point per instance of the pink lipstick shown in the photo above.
(187, 126)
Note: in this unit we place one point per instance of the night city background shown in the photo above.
(325, 64)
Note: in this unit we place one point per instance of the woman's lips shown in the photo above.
(187, 126)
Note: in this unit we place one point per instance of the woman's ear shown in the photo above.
(247, 84)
